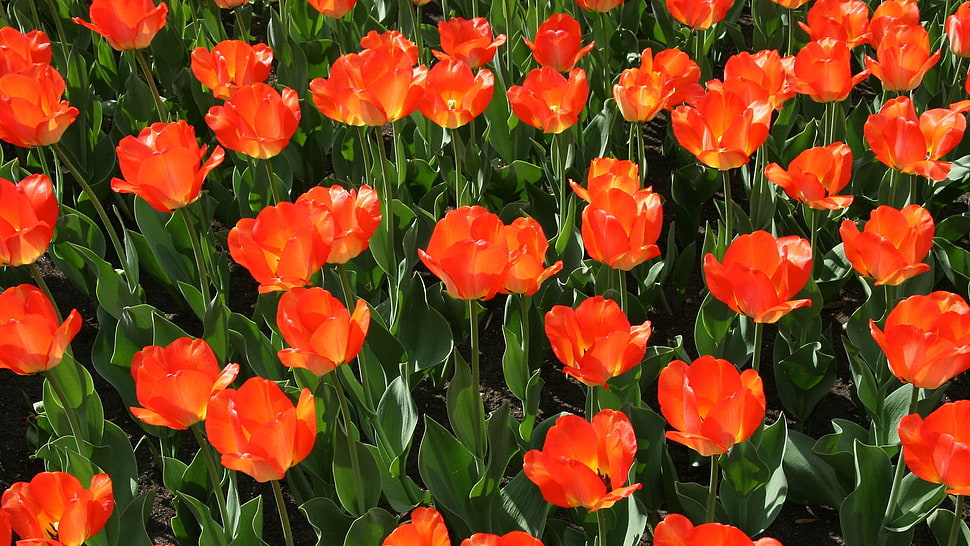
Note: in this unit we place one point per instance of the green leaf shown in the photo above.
(249, 530)
(521, 507)
(861, 513)
(448, 469)
(423, 331)
(329, 521)
(811, 480)
(941, 521)
(78, 387)
(720, 332)
(465, 411)
(212, 533)
(370, 528)
(397, 417)
(917, 500)
(357, 491)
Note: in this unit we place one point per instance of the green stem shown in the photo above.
(524, 320)
(241, 29)
(759, 329)
(162, 112)
(914, 190)
(351, 303)
(461, 186)
(712, 492)
(42, 284)
(601, 526)
(268, 163)
(68, 410)
(643, 151)
(387, 201)
(957, 518)
(728, 202)
(346, 426)
(830, 117)
(210, 466)
(812, 215)
(284, 517)
(476, 372)
(900, 466)
(624, 296)
(199, 256)
(56, 15)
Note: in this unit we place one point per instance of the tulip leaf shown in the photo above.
(328, 519)
(78, 386)
(168, 240)
(131, 519)
(423, 331)
(253, 347)
(370, 528)
(447, 469)
(692, 498)
(520, 507)
(804, 377)
(811, 480)
(212, 533)
(514, 367)
(755, 486)
(358, 492)
(941, 521)
(861, 513)
(115, 456)
(917, 500)
(720, 332)
(465, 410)
(249, 527)
(397, 417)
(111, 288)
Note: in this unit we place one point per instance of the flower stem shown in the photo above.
(643, 151)
(241, 28)
(351, 302)
(42, 284)
(728, 201)
(900, 466)
(914, 190)
(346, 426)
(712, 492)
(284, 517)
(199, 256)
(210, 466)
(624, 296)
(268, 163)
(476, 373)
(759, 329)
(56, 15)
(162, 112)
(601, 525)
(461, 186)
(957, 518)
(72, 419)
(387, 201)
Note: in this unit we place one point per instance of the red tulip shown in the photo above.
(30, 335)
(558, 43)
(890, 14)
(31, 110)
(699, 14)
(958, 30)
(333, 8)
(53, 508)
(391, 39)
(454, 95)
(28, 213)
(767, 69)
(843, 20)
(256, 121)
(468, 40)
(677, 530)
(126, 24)
(914, 145)
(356, 217)
(322, 332)
(174, 383)
(815, 176)
(937, 449)
(527, 245)
(823, 71)
(660, 82)
(583, 463)
(426, 528)
(230, 65)
(903, 58)
(892, 246)
(515, 538)
(19, 52)
(548, 101)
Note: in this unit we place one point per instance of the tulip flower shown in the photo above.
(958, 30)
(548, 101)
(322, 332)
(53, 508)
(660, 83)
(843, 20)
(514, 538)
(258, 430)
(356, 217)
(230, 65)
(229, 4)
(903, 58)
(20, 52)
(426, 528)
(892, 246)
(607, 173)
(601, 6)
(937, 449)
(126, 24)
(760, 274)
(391, 39)
(173, 383)
(558, 43)
(815, 176)
(699, 14)
(677, 530)
(528, 245)
(912, 145)
(926, 339)
(595, 341)
(890, 14)
(161, 165)
(31, 110)
(257, 120)
(468, 40)
(791, 4)
(585, 464)
(333, 8)
(454, 95)
(28, 213)
(823, 71)
(710, 403)
(767, 69)
(30, 335)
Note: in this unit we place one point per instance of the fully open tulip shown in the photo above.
(816, 175)
(710, 403)
(699, 14)
(528, 243)
(333, 8)
(468, 40)
(677, 530)
(454, 95)
(595, 341)
(19, 51)
(558, 43)
(843, 20)
(28, 212)
(231, 64)
(583, 463)
(760, 275)
(937, 449)
(356, 217)
(322, 332)
(903, 58)
(660, 82)
(258, 431)
(174, 383)
(926, 339)
(958, 30)
(914, 145)
(892, 246)
(515, 538)
(426, 528)
(257, 120)
(890, 14)
(548, 101)
(53, 508)
(30, 335)
(31, 110)
(823, 71)
(161, 165)
(765, 68)
(126, 24)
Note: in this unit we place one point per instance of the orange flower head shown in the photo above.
(791, 4)
(760, 275)
(600, 6)
(53, 508)
(926, 339)
(174, 383)
(356, 217)
(912, 145)
(816, 176)
(31, 110)
(585, 464)
(595, 341)
(126, 24)
(468, 40)
(28, 213)
(843, 20)
(767, 69)
(30, 335)
(454, 95)
(621, 229)
(823, 71)
(892, 245)
(284, 245)
(19, 51)
(558, 43)
(514, 538)
(958, 30)
(677, 530)
(607, 173)
(937, 449)
(322, 332)
(426, 528)
(892, 13)
(527, 247)
(333, 8)
(548, 101)
(710, 403)
(699, 14)
(228, 4)
(231, 64)
(903, 58)
(259, 431)
(161, 165)
(660, 82)
(257, 120)
(391, 39)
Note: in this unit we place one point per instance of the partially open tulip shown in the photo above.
(28, 213)
(558, 43)
(912, 145)
(391, 39)
(259, 431)
(32, 337)
(816, 176)
(677, 530)
(514, 538)
(892, 245)
(607, 173)
(660, 82)
(527, 246)
(174, 383)
(426, 528)
(903, 58)
(229, 4)
(791, 4)
(126, 24)
(890, 14)
(468, 40)
(937, 449)
(548, 101)
(356, 217)
(601, 6)
(699, 14)
(54, 508)
(31, 110)
(257, 120)
(162, 165)
(767, 69)
(19, 51)
(323, 334)
(843, 20)
(333, 8)
(823, 71)
(958, 30)
(230, 65)
(760, 274)
(595, 342)
(710, 403)
(454, 95)
(926, 339)
(585, 464)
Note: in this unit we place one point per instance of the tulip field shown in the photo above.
(511, 273)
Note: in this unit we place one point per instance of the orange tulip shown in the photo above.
(601, 6)
(468, 40)
(356, 217)
(760, 274)
(30, 335)
(926, 339)
(258, 431)
(284, 245)
(515, 538)
(767, 69)
(892, 246)
(257, 120)
(231, 64)
(558, 43)
(19, 51)
(53, 508)
(454, 95)
(426, 528)
(28, 212)
(126, 24)
(607, 173)
(333, 8)
(903, 58)
(843, 20)
(912, 145)
(6, 533)
(816, 175)
(710, 403)
(174, 383)
(660, 82)
(31, 110)
(595, 341)
(322, 332)
(583, 463)
(228, 4)
(791, 4)
(823, 71)
(527, 244)
(677, 530)
(161, 165)
(890, 14)
(937, 449)
(391, 39)
(958, 30)
(699, 14)
(548, 101)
